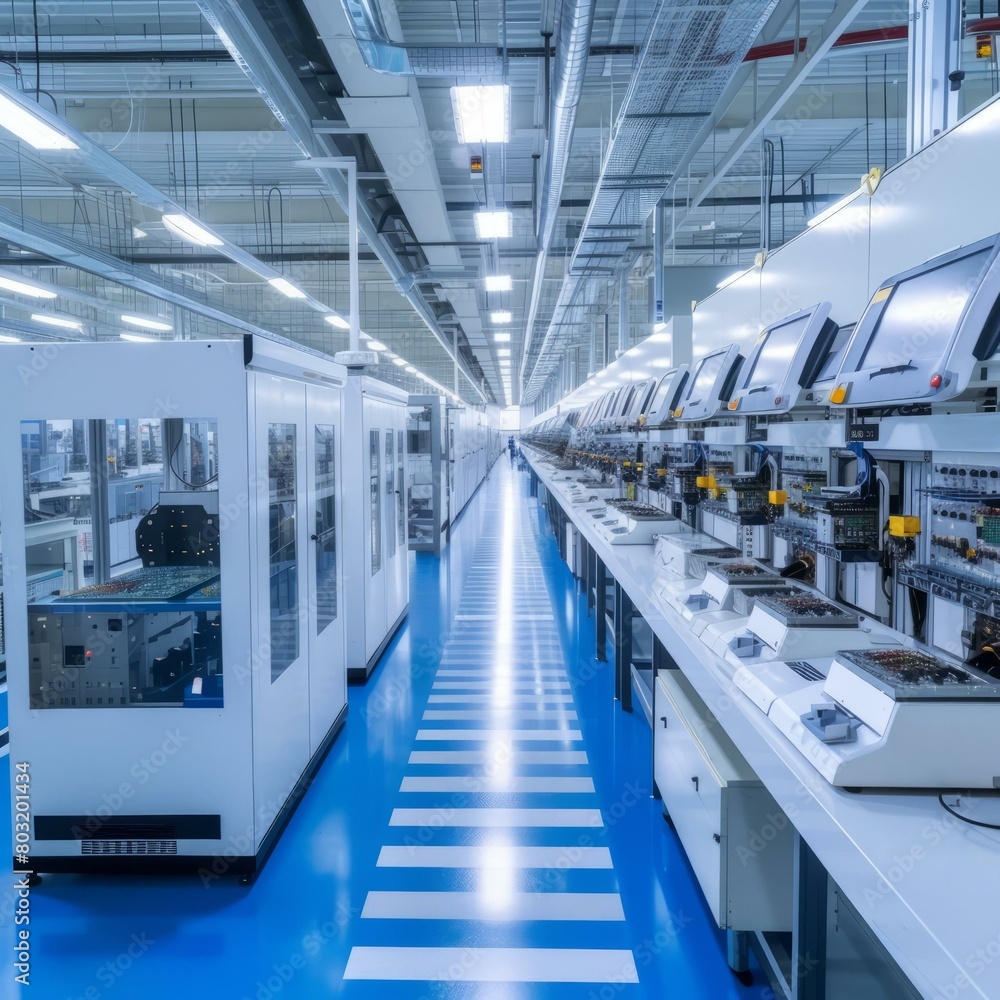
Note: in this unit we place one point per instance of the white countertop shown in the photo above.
(927, 884)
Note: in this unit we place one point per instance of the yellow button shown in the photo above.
(734, 404)
(679, 411)
(777, 497)
(838, 395)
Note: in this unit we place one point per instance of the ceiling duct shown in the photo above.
(576, 25)
(382, 55)
(691, 53)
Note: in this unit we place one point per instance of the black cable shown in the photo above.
(170, 465)
(966, 819)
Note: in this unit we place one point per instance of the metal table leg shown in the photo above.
(809, 925)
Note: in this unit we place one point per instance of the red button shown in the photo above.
(935, 381)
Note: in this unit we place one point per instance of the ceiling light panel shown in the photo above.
(190, 231)
(498, 282)
(482, 114)
(494, 224)
(30, 129)
(501, 316)
(22, 288)
(501, 338)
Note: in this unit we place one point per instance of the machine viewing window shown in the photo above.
(375, 494)
(390, 489)
(122, 558)
(772, 360)
(922, 312)
(283, 504)
(326, 526)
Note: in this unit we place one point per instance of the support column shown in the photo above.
(592, 367)
(809, 897)
(933, 75)
(623, 647)
(659, 236)
(623, 330)
(601, 609)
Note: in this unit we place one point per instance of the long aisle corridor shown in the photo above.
(483, 828)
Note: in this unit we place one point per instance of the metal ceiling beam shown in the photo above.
(59, 56)
(817, 46)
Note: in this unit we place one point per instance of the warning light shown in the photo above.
(984, 46)
(476, 166)
(838, 395)
(734, 404)
(936, 381)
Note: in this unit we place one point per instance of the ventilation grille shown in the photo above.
(805, 670)
(145, 847)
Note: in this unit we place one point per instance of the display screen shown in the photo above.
(666, 384)
(705, 377)
(922, 313)
(776, 353)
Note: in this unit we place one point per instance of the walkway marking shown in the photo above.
(489, 858)
(499, 714)
(498, 817)
(518, 784)
(404, 905)
(506, 754)
(501, 735)
(493, 965)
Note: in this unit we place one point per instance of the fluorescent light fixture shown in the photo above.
(144, 323)
(494, 224)
(376, 345)
(286, 288)
(502, 338)
(139, 234)
(22, 288)
(5, 338)
(338, 321)
(399, 362)
(498, 282)
(482, 113)
(412, 370)
(834, 208)
(30, 129)
(62, 322)
(731, 278)
(503, 352)
(501, 316)
(187, 229)
(139, 338)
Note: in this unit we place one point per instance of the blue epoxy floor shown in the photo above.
(495, 629)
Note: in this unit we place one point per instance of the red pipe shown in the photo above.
(867, 37)
(983, 26)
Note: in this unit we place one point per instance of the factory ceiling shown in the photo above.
(232, 113)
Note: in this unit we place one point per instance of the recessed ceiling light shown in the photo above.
(22, 288)
(7, 339)
(501, 338)
(482, 113)
(139, 234)
(412, 370)
(286, 288)
(501, 316)
(503, 352)
(22, 123)
(145, 323)
(62, 322)
(138, 338)
(187, 229)
(338, 321)
(376, 345)
(498, 282)
(400, 362)
(493, 224)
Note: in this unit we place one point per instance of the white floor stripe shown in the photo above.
(498, 674)
(493, 617)
(499, 714)
(501, 699)
(493, 965)
(498, 684)
(517, 784)
(497, 817)
(500, 735)
(563, 906)
(506, 754)
(491, 858)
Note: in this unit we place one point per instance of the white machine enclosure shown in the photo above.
(664, 401)
(862, 731)
(710, 384)
(207, 783)
(926, 331)
(631, 523)
(376, 571)
(785, 362)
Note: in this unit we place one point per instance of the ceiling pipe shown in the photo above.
(870, 36)
(576, 24)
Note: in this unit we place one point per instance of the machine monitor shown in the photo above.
(665, 398)
(609, 411)
(640, 404)
(625, 405)
(710, 384)
(925, 331)
(787, 358)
